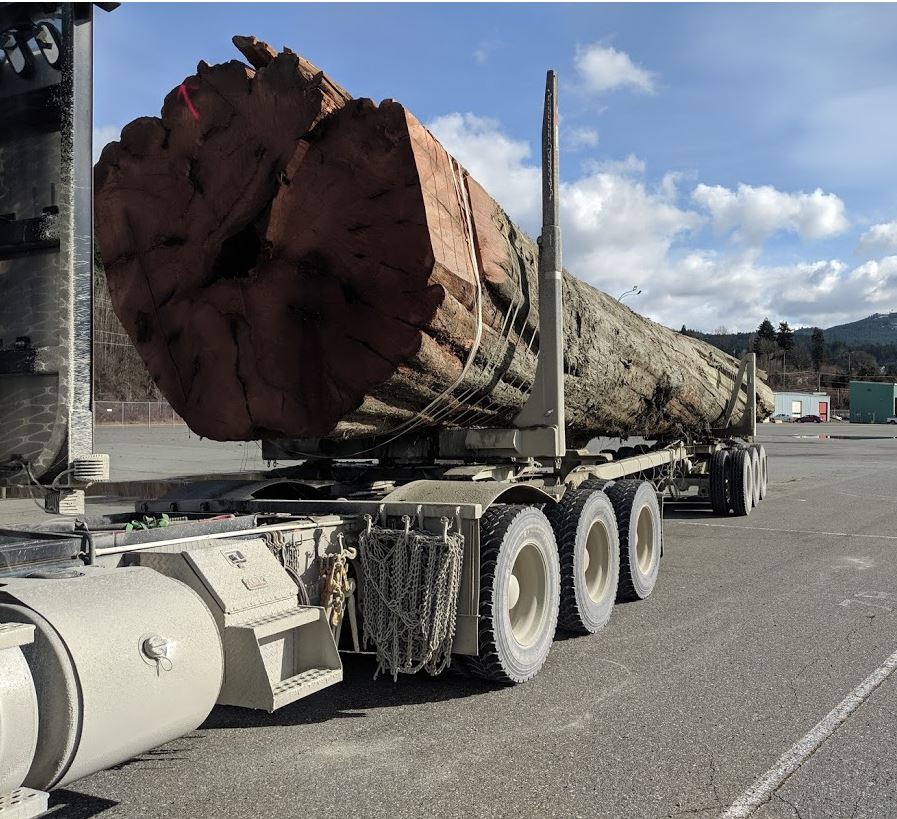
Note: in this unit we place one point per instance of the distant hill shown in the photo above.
(879, 328)
(875, 336)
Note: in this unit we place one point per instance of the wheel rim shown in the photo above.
(644, 539)
(596, 561)
(527, 594)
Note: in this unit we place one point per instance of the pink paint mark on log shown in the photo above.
(182, 93)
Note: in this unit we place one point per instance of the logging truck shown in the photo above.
(454, 546)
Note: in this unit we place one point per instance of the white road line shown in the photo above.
(873, 497)
(780, 531)
(765, 786)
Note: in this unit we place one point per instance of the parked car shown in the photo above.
(808, 419)
(892, 420)
(781, 416)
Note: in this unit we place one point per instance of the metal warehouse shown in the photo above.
(872, 402)
(796, 404)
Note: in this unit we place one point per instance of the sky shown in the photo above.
(733, 162)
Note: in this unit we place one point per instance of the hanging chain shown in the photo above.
(410, 595)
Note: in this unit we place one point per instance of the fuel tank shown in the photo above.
(123, 660)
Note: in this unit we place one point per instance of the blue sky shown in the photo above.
(735, 161)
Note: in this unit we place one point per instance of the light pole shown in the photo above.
(632, 291)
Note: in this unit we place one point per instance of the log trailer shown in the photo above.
(464, 547)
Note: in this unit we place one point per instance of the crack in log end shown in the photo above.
(352, 295)
(166, 297)
(194, 178)
(233, 322)
(144, 327)
(237, 257)
(304, 313)
(173, 241)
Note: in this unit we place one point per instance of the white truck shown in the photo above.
(120, 633)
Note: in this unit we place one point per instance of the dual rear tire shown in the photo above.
(565, 569)
(585, 526)
(520, 589)
(738, 479)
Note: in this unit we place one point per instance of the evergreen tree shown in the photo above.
(785, 337)
(785, 340)
(764, 341)
(766, 331)
(817, 348)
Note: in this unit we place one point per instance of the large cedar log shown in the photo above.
(292, 262)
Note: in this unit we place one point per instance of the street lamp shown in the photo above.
(632, 291)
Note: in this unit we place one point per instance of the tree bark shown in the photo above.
(294, 263)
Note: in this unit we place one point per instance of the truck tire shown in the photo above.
(639, 519)
(720, 485)
(742, 482)
(585, 527)
(761, 451)
(625, 452)
(757, 474)
(520, 588)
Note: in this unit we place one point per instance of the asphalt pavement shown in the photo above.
(757, 629)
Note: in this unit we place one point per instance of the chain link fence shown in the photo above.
(135, 413)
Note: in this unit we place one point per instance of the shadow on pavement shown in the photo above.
(357, 692)
(74, 805)
(672, 511)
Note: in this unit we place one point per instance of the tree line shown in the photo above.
(805, 360)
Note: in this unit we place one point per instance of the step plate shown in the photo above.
(295, 688)
(23, 803)
(281, 621)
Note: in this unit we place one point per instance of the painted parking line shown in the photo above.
(777, 531)
(766, 785)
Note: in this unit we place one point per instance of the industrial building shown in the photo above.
(796, 404)
(872, 402)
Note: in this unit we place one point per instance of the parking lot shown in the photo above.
(758, 628)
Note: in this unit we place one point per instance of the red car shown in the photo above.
(808, 419)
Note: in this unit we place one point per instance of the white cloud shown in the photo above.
(577, 138)
(500, 164)
(102, 136)
(755, 214)
(826, 293)
(483, 51)
(602, 68)
(614, 225)
(880, 238)
(619, 230)
(630, 166)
